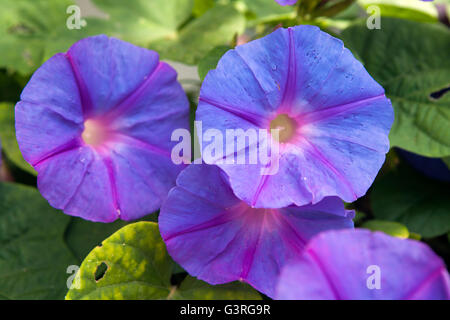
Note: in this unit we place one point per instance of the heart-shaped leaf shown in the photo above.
(391, 228)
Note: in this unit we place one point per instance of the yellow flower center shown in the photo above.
(94, 133)
(286, 126)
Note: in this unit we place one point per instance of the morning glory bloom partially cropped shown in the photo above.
(333, 118)
(96, 123)
(286, 2)
(363, 265)
(218, 238)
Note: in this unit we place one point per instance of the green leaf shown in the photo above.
(82, 235)
(167, 26)
(210, 61)
(216, 27)
(411, 61)
(138, 266)
(134, 264)
(33, 31)
(8, 138)
(421, 204)
(406, 9)
(193, 289)
(143, 21)
(263, 11)
(33, 256)
(201, 6)
(394, 229)
(334, 8)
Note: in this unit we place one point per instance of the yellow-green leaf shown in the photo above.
(394, 229)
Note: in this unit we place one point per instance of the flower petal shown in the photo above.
(108, 70)
(42, 133)
(230, 94)
(49, 114)
(55, 86)
(142, 178)
(77, 182)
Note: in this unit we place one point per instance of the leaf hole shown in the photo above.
(100, 271)
(439, 94)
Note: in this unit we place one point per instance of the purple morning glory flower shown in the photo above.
(96, 123)
(333, 118)
(286, 2)
(218, 238)
(361, 265)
